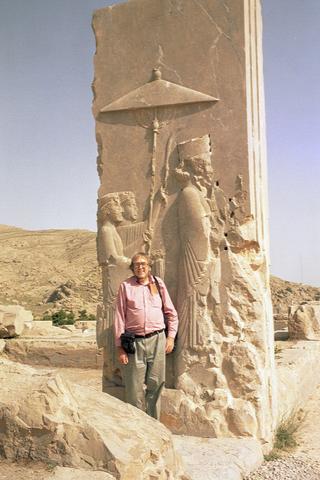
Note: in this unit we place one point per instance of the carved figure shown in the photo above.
(195, 174)
(115, 267)
(129, 207)
(110, 247)
(130, 231)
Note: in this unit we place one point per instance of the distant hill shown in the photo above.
(49, 269)
(52, 269)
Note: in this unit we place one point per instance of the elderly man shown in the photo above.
(143, 302)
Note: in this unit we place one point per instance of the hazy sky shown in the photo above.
(47, 142)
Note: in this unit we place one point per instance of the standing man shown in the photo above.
(140, 310)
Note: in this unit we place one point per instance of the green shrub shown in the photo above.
(61, 317)
(285, 437)
(273, 455)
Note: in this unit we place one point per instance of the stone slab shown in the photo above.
(298, 374)
(217, 459)
(69, 351)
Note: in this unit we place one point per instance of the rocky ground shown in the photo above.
(302, 462)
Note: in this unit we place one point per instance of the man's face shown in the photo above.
(130, 211)
(141, 268)
(115, 211)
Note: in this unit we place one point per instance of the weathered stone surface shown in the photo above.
(304, 321)
(195, 199)
(217, 459)
(42, 418)
(55, 349)
(13, 319)
(2, 345)
(298, 375)
(64, 473)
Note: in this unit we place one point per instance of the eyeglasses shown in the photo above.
(140, 264)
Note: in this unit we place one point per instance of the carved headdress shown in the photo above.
(107, 199)
(127, 197)
(194, 147)
(105, 202)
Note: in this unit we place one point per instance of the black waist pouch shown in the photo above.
(127, 342)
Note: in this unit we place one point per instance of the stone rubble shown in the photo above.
(288, 468)
(304, 321)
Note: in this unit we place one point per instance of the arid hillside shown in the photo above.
(49, 269)
(53, 269)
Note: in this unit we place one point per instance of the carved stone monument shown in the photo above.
(178, 103)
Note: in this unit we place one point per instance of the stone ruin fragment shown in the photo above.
(180, 128)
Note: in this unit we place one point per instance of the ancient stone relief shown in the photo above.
(214, 243)
(198, 159)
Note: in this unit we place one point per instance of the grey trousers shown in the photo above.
(144, 375)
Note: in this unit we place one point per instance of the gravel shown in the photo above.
(288, 468)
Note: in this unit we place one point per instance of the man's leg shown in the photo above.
(155, 374)
(134, 376)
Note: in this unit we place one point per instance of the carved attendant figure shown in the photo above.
(114, 269)
(130, 231)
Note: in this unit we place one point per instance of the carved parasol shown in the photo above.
(155, 96)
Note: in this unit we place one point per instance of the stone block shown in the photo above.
(298, 375)
(13, 319)
(304, 321)
(68, 351)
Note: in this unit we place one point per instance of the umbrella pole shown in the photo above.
(155, 131)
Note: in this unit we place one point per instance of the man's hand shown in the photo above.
(169, 344)
(122, 356)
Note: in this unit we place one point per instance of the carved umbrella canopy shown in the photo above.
(155, 96)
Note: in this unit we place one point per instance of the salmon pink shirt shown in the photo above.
(139, 311)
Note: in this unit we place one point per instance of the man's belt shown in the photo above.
(148, 335)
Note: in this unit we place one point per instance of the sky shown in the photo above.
(48, 176)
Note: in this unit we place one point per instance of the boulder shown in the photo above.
(304, 321)
(13, 319)
(44, 419)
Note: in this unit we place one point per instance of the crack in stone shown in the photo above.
(221, 32)
(163, 64)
